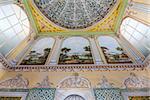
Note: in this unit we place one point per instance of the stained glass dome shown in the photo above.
(75, 14)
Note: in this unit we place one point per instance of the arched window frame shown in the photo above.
(71, 97)
(71, 37)
(118, 42)
(21, 20)
(138, 22)
(32, 46)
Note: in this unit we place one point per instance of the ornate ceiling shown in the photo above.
(75, 15)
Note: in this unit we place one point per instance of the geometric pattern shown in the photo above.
(106, 25)
(75, 14)
(41, 94)
(108, 94)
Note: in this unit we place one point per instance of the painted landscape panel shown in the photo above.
(113, 52)
(39, 53)
(75, 50)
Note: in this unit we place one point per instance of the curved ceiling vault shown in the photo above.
(66, 15)
(75, 14)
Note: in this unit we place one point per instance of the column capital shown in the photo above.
(60, 37)
(91, 36)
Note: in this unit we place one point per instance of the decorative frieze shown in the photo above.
(134, 81)
(104, 83)
(15, 82)
(74, 81)
(45, 83)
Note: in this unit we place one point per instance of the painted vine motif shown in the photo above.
(139, 98)
(10, 98)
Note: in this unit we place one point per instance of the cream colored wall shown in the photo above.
(2, 72)
(142, 1)
(116, 77)
(142, 16)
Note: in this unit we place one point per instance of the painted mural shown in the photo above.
(139, 98)
(39, 53)
(113, 52)
(10, 98)
(75, 50)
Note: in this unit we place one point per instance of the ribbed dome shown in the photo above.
(75, 14)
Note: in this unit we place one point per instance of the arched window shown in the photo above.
(14, 27)
(112, 50)
(74, 97)
(76, 50)
(137, 34)
(39, 53)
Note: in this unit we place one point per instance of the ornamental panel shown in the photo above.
(41, 94)
(108, 94)
(75, 14)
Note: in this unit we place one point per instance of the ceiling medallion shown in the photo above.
(75, 14)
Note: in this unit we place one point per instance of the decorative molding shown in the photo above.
(16, 82)
(74, 81)
(105, 25)
(74, 68)
(45, 83)
(134, 81)
(104, 83)
(4, 62)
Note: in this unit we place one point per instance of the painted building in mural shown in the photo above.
(74, 50)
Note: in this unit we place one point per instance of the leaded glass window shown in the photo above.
(137, 33)
(14, 27)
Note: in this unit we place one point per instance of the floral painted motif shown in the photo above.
(45, 83)
(74, 81)
(14, 83)
(133, 81)
(104, 83)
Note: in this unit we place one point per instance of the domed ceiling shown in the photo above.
(75, 14)
(75, 17)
